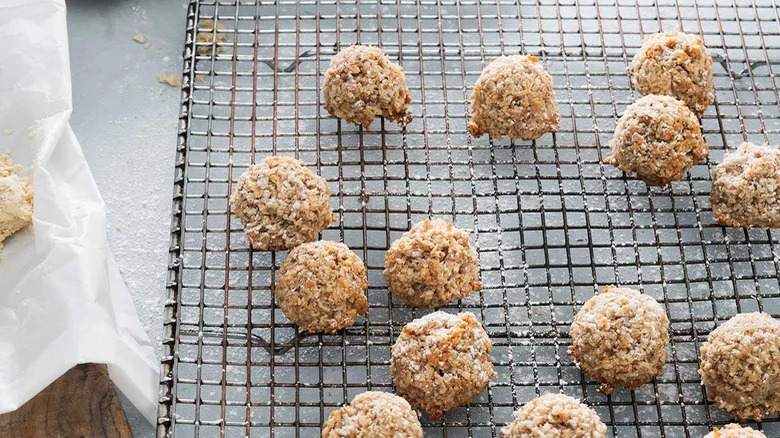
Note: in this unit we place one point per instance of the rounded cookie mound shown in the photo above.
(362, 83)
(619, 338)
(441, 361)
(320, 286)
(373, 414)
(740, 366)
(281, 203)
(734, 431)
(555, 416)
(659, 139)
(431, 265)
(675, 64)
(16, 199)
(746, 188)
(514, 96)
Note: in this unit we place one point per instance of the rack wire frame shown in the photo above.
(552, 223)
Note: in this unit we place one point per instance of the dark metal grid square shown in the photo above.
(552, 223)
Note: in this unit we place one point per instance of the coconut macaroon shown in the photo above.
(432, 264)
(619, 338)
(734, 431)
(362, 83)
(675, 64)
(321, 286)
(659, 139)
(441, 361)
(514, 97)
(373, 414)
(281, 204)
(746, 188)
(16, 199)
(555, 416)
(740, 366)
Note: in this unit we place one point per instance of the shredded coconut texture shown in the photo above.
(373, 414)
(675, 64)
(441, 361)
(514, 96)
(619, 338)
(555, 416)
(321, 286)
(362, 83)
(432, 264)
(734, 431)
(746, 188)
(659, 139)
(740, 366)
(281, 204)
(16, 199)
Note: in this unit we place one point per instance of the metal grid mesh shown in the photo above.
(552, 223)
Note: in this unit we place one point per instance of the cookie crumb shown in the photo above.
(140, 39)
(165, 78)
(34, 129)
(207, 36)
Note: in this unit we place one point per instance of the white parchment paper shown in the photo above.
(62, 300)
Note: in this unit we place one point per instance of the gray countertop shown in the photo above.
(126, 122)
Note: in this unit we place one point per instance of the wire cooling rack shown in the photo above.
(553, 224)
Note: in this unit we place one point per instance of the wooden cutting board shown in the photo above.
(81, 403)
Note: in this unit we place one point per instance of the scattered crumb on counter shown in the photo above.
(147, 45)
(8, 131)
(199, 77)
(171, 80)
(140, 39)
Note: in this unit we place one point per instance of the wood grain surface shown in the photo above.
(81, 403)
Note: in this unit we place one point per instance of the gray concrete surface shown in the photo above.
(126, 122)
